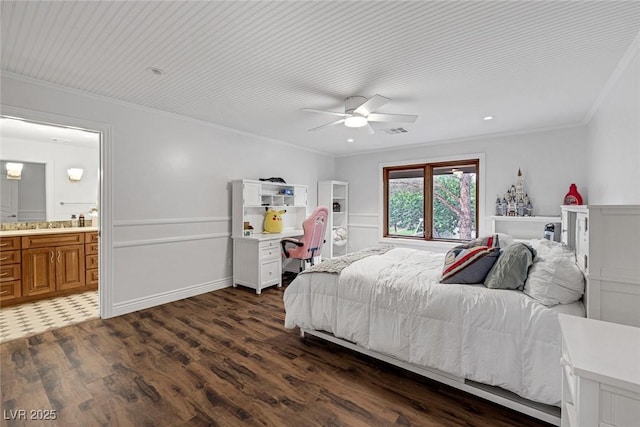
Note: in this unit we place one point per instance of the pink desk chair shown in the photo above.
(310, 246)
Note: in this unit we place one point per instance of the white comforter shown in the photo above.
(392, 304)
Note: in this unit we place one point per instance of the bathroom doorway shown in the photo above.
(57, 248)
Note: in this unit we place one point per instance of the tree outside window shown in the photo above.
(446, 192)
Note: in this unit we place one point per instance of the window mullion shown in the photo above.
(428, 202)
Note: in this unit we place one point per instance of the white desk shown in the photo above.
(257, 261)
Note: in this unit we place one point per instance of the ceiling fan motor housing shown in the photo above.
(353, 102)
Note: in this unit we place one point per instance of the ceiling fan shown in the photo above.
(359, 111)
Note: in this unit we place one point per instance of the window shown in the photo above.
(432, 201)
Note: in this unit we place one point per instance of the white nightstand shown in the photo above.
(601, 373)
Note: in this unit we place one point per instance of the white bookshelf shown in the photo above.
(335, 196)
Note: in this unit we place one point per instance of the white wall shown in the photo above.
(171, 199)
(614, 138)
(58, 157)
(549, 160)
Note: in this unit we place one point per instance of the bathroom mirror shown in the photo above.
(23, 199)
(49, 155)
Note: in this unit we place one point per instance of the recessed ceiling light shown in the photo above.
(487, 118)
(350, 140)
(156, 71)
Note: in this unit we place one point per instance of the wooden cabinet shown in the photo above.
(50, 264)
(601, 375)
(335, 196)
(37, 266)
(605, 240)
(10, 268)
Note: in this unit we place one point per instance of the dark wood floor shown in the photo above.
(222, 358)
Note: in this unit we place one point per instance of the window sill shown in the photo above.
(423, 245)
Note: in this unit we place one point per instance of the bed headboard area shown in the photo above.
(606, 240)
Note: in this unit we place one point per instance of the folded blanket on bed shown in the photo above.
(336, 265)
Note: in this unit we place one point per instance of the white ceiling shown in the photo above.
(254, 65)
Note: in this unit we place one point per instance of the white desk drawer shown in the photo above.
(270, 272)
(270, 244)
(270, 253)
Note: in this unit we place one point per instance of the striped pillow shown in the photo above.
(469, 263)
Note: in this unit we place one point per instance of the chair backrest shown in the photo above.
(314, 228)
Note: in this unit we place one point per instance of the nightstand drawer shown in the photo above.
(10, 290)
(10, 257)
(10, 272)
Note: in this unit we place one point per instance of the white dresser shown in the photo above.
(601, 373)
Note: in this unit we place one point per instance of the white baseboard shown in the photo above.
(165, 297)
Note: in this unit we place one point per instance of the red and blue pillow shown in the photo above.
(470, 263)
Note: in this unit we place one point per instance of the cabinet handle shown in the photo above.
(51, 260)
(6, 291)
(58, 256)
(4, 258)
(4, 274)
(4, 244)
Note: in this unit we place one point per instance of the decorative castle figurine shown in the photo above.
(515, 201)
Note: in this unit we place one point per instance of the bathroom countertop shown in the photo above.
(11, 233)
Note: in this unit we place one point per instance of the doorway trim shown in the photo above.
(105, 228)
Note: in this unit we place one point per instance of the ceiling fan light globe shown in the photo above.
(355, 121)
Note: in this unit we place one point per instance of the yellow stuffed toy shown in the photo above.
(273, 221)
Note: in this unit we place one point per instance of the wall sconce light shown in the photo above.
(14, 170)
(75, 174)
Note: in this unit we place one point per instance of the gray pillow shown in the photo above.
(510, 270)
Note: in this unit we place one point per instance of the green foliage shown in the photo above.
(406, 204)
(405, 209)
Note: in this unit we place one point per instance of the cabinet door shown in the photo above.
(38, 271)
(251, 194)
(70, 267)
(300, 196)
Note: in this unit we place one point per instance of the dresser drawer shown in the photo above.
(10, 290)
(10, 272)
(91, 248)
(9, 243)
(47, 240)
(270, 272)
(91, 261)
(10, 257)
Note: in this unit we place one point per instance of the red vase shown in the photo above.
(573, 197)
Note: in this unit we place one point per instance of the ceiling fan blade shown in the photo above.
(334, 113)
(371, 104)
(398, 118)
(327, 125)
(370, 129)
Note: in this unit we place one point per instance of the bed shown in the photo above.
(502, 345)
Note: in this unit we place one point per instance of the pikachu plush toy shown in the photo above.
(273, 221)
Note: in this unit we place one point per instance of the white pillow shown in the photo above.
(505, 240)
(554, 278)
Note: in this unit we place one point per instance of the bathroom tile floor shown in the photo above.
(23, 320)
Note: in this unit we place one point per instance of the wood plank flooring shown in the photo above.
(219, 359)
